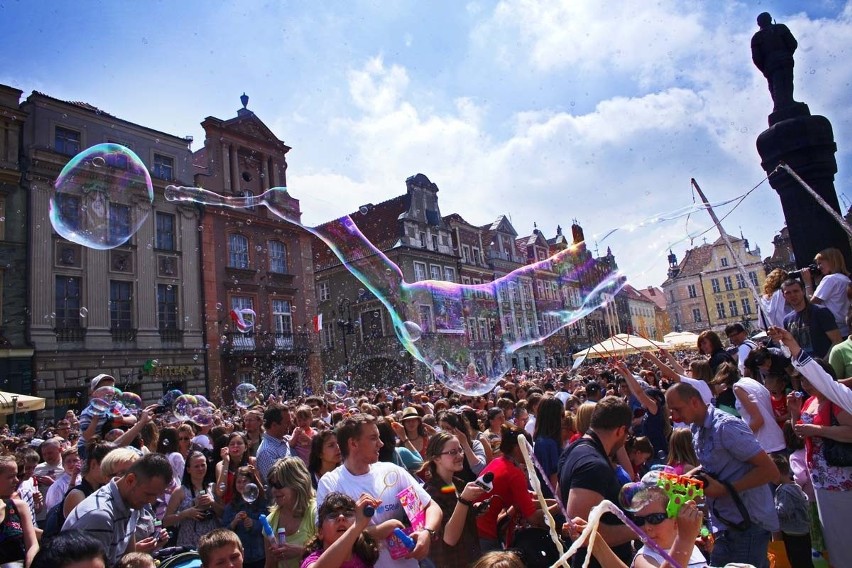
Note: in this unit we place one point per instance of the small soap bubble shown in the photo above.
(413, 330)
(102, 196)
(250, 492)
(246, 395)
(634, 496)
(131, 400)
(103, 398)
(84, 311)
(184, 406)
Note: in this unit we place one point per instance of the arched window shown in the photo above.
(238, 251)
(277, 257)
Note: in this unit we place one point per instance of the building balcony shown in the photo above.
(236, 343)
(123, 335)
(70, 334)
(169, 335)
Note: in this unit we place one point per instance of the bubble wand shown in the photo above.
(525, 446)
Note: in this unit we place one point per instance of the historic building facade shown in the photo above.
(257, 268)
(708, 291)
(132, 311)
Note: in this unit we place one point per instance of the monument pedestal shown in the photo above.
(805, 143)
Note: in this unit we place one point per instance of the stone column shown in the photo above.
(276, 178)
(264, 172)
(226, 166)
(235, 169)
(806, 144)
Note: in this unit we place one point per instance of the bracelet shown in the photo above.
(465, 502)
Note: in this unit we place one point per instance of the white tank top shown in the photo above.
(770, 437)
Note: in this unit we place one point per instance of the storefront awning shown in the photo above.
(24, 403)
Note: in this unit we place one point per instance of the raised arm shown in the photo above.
(667, 371)
(646, 401)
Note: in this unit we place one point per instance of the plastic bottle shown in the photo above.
(282, 536)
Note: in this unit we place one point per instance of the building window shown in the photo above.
(277, 257)
(465, 253)
(720, 310)
(328, 337)
(238, 251)
(67, 307)
(423, 240)
(69, 209)
(471, 329)
(426, 319)
(282, 319)
(165, 236)
(476, 257)
(120, 305)
(691, 291)
(419, 271)
(714, 282)
(371, 324)
(119, 223)
(449, 274)
(483, 330)
(746, 306)
(164, 167)
(724, 261)
(729, 285)
(66, 141)
(740, 281)
(434, 242)
(434, 272)
(167, 306)
(696, 315)
(753, 277)
(732, 305)
(324, 291)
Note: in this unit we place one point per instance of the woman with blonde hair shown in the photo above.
(772, 301)
(583, 419)
(833, 288)
(682, 456)
(294, 510)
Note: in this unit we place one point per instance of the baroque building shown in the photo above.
(131, 311)
(257, 269)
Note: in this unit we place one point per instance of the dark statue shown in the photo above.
(772, 51)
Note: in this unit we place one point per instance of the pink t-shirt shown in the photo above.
(354, 562)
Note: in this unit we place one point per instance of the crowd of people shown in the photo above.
(420, 475)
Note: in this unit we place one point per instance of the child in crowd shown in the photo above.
(220, 548)
(341, 541)
(136, 560)
(639, 450)
(499, 559)
(682, 456)
(241, 516)
(300, 440)
(777, 387)
(791, 503)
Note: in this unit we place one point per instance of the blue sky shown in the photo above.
(547, 111)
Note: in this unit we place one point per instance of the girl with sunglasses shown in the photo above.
(458, 542)
(341, 540)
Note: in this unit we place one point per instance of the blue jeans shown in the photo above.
(749, 546)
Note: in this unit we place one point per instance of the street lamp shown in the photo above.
(344, 324)
(14, 413)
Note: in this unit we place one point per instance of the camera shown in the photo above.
(812, 268)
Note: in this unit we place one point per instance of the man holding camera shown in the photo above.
(736, 474)
(811, 325)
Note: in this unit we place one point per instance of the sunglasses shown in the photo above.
(332, 517)
(653, 518)
(276, 485)
(453, 453)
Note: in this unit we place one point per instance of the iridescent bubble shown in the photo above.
(84, 311)
(466, 339)
(243, 319)
(246, 395)
(634, 496)
(203, 402)
(250, 492)
(337, 387)
(102, 196)
(131, 400)
(413, 330)
(103, 398)
(170, 397)
(202, 415)
(184, 407)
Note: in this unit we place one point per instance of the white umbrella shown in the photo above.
(621, 344)
(681, 339)
(24, 402)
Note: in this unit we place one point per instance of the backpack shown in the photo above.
(177, 557)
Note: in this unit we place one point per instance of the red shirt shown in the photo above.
(509, 488)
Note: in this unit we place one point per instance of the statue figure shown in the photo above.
(772, 49)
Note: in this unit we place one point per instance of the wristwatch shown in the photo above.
(431, 532)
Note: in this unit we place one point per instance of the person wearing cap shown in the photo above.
(415, 437)
(117, 414)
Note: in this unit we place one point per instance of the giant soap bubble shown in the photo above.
(102, 196)
(246, 395)
(465, 334)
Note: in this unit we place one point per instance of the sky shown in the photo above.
(543, 111)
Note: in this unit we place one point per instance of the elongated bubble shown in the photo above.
(102, 196)
(465, 334)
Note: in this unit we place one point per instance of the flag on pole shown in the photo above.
(318, 323)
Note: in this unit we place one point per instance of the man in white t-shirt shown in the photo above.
(363, 473)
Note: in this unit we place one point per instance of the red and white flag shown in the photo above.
(318, 323)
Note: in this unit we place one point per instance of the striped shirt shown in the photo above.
(105, 516)
(270, 450)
